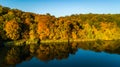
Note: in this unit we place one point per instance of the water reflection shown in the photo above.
(101, 46)
(12, 55)
(47, 52)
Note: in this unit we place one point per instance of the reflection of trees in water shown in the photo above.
(17, 54)
(58, 51)
(14, 55)
(11, 56)
(3, 52)
(98, 46)
(45, 52)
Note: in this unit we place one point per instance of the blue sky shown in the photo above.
(64, 7)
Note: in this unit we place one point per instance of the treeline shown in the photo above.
(16, 25)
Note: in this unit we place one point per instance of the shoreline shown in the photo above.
(76, 40)
(71, 40)
(28, 42)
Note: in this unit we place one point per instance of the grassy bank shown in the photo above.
(71, 40)
(16, 43)
(75, 40)
(36, 41)
(21, 42)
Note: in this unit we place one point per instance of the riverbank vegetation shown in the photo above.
(19, 25)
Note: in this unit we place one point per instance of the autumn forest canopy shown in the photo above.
(17, 25)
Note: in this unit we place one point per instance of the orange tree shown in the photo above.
(12, 29)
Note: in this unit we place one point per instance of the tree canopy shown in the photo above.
(16, 24)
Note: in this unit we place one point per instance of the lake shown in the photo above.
(75, 54)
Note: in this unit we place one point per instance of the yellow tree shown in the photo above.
(12, 29)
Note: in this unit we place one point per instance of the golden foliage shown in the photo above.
(12, 29)
(78, 26)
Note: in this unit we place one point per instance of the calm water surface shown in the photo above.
(81, 54)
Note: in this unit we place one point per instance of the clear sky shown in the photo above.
(64, 7)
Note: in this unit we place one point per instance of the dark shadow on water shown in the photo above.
(60, 54)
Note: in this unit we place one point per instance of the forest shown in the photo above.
(19, 25)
